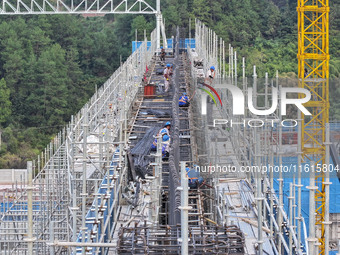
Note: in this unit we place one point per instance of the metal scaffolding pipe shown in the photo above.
(327, 183)
(235, 59)
(184, 210)
(280, 205)
(312, 188)
(259, 197)
(290, 198)
(229, 64)
(29, 188)
(158, 24)
(75, 244)
(299, 186)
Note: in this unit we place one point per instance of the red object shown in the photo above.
(147, 69)
(149, 90)
(213, 90)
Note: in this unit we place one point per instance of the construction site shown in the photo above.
(250, 165)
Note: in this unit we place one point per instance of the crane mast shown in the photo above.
(313, 57)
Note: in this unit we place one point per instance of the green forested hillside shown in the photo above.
(50, 65)
(263, 31)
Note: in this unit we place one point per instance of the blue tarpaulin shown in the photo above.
(183, 43)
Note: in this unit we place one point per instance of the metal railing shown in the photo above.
(76, 165)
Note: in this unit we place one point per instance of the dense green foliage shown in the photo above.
(262, 31)
(50, 65)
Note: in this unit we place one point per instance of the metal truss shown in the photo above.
(13, 7)
(313, 56)
(89, 7)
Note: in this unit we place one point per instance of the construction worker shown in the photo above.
(210, 75)
(167, 72)
(162, 56)
(306, 73)
(165, 147)
(183, 100)
(154, 144)
(194, 178)
(166, 129)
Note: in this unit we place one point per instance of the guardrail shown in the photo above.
(68, 172)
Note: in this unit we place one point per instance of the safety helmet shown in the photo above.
(212, 67)
(168, 65)
(165, 138)
(184, 93)
(167, 124)
(161, 47)
(163, 131)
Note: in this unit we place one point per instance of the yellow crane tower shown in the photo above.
(313, 57)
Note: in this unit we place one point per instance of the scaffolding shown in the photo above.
(76, 180)
(97, 189)
(266, 145)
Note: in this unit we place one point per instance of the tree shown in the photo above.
(47, 104)
(5, 103)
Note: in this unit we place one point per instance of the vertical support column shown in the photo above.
(136, 48)
(243, 70)
(52, 251)
(29, 188)
(235, 67)
(254, 87)
(280, 180)
(327, 183)
(223, 59)
(259, 197)
(299, 185)
(266, 84)
(74, 214)
(158, 23)
(271, 180)
(158, 177)
(190, 32)
(290, 223)
(229, 64)
(232, 63)
(184, 210)
(312, 188)
(84, 178)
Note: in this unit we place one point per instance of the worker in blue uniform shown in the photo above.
(164, 131)
(210, 76)
(183, 100)
(166, 128)
(194, 178)
(154, 145)
(165, 147)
